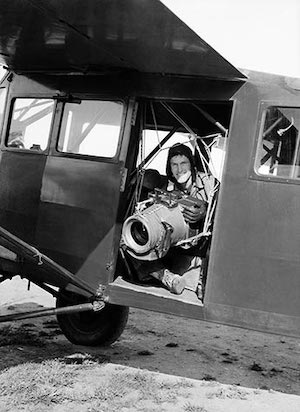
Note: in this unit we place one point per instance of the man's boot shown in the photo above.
(173, 282)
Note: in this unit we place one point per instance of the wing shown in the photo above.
(96, 36)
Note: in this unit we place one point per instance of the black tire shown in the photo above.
(91, 328)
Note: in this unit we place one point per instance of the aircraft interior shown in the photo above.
(203, 127)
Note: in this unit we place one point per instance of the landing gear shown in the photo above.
(91, 328)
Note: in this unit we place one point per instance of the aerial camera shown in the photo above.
(158, 224)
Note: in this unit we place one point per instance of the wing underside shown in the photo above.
(90, 36)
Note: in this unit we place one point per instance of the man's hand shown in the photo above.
(193, 214)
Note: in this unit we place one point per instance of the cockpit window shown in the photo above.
(91, 128)
(279, 149)
(30, 124)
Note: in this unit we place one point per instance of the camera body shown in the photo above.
(158, 224)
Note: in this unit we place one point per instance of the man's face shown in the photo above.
(180, 165)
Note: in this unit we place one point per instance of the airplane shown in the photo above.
(93, 95)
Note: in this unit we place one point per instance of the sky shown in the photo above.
(261, 35)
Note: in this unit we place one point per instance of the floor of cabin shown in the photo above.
(187, 296)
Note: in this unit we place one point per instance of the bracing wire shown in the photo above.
(207, 165)
(155, 124)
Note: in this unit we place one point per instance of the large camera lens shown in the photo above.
(139, 233)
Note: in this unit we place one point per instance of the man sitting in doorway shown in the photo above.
(180, 268)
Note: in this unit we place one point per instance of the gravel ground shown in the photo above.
(226, 358)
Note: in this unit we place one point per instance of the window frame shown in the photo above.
(59, 119)
(2, 119)
(9, 122)
(254, 174)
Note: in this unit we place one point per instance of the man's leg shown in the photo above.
(158, 269)
(189, 268)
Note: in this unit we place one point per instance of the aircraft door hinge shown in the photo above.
(123, 173)
(134, 114)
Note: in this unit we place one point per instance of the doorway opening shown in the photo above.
(158, 237)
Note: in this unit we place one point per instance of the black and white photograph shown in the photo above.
(149, 206)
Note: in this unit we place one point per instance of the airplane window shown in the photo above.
(91, 128)
(279, 149)
(30, 124)
(151, 138)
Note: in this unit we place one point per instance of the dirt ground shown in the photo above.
(166, 344)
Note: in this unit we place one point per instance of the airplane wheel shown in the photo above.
(91, 328)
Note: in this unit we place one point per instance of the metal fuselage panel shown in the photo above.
(254, 261)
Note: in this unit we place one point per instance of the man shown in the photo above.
(180, 268)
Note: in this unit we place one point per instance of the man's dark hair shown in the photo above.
(180, 150)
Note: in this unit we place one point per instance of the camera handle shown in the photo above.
(166, 243)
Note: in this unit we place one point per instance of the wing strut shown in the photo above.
(32, 255)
